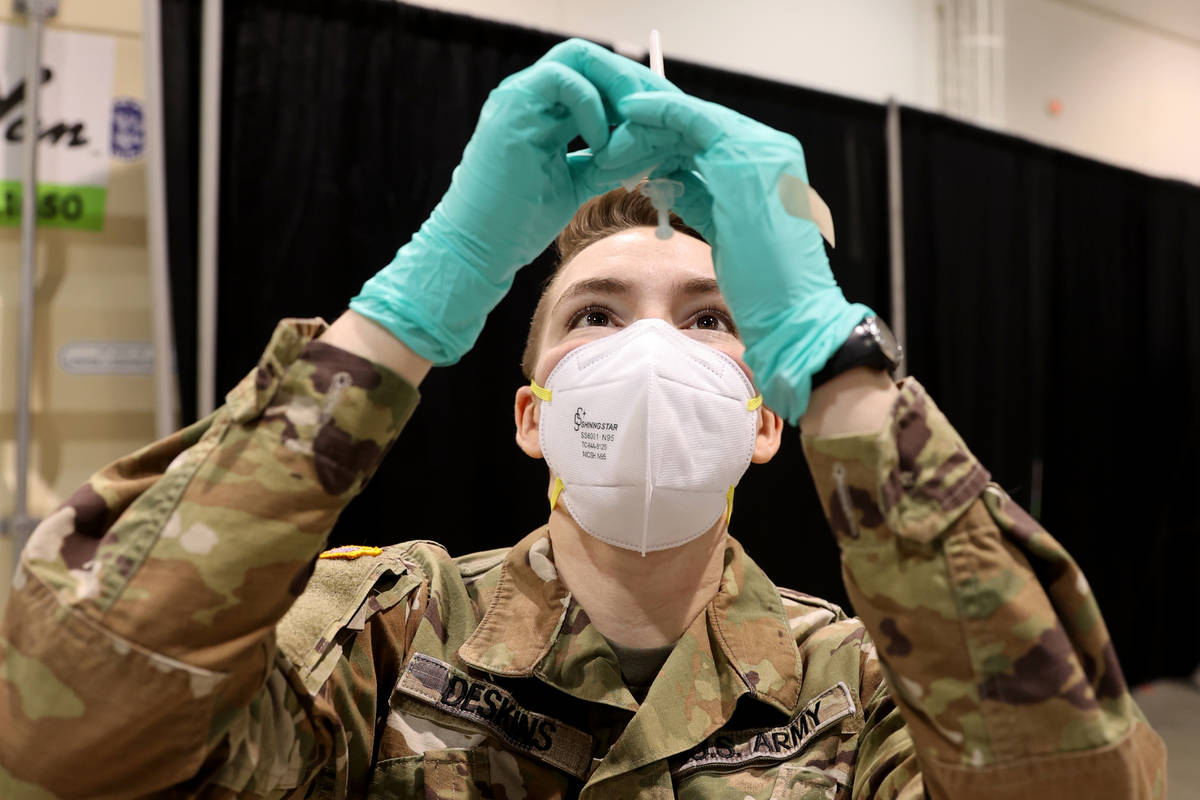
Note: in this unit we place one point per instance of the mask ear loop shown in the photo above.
(544, 394)
(753, 404)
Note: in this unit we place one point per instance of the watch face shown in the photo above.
(886, 339)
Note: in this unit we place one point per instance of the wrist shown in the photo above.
(786, 355)
(432, 296)
(871, 344)
(363, 337)
(857, 401)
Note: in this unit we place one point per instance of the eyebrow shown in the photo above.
(690, 288)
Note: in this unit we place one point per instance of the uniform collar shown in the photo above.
(531, 626)
(524, 614)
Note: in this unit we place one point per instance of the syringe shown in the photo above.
(798, 197)
(656, 57)
(661, 191)
(656, 66)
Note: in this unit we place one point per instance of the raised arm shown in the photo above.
(138, 645)
(992, 645)
(991, 640)
(356, 334)
(138, 650)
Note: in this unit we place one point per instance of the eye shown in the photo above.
(591, 317)
(710, 319)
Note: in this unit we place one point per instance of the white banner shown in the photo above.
(75, 106)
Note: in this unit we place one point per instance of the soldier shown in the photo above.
(172, 630)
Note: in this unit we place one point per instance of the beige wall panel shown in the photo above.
(122, 17)
(92, 287)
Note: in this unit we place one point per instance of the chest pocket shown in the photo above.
(443, 761)
(804, 759)
(453, 735)
(449, 773)
(805, 783)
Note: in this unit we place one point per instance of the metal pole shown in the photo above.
(165, 388)
(33, 69)
(210, 157)
(983, 95)
(999, 39)
(37, 12)
(896, 227)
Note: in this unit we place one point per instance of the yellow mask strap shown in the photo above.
(541, 392)
(558, 487)
(753, 403)
(728, 506)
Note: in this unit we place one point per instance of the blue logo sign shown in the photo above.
(128, 129)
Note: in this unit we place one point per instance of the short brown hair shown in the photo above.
(598, 218)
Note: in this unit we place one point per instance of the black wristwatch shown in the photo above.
(871, 344)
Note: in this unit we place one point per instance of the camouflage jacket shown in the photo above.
(172, 632)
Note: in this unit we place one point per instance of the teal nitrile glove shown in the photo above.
(771, 265)
(514, 190)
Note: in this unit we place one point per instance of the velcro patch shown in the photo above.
(452, 691)
(734, 749)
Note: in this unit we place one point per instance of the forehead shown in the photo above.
(639, 257)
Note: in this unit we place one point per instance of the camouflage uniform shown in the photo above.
(154, 642)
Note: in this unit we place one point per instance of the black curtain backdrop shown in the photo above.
(1047, 294)
(181, 25)
(342, 122)
(1051, 306)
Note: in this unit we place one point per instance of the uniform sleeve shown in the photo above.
(138, 648)
(992, 644)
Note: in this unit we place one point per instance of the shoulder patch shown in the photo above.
(733, 749)
(351, 551)
(341, 594)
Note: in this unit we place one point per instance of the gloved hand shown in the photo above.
(744, 183)
(514, 190)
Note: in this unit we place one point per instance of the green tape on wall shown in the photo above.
(78, 207)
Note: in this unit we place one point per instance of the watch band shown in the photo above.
(871, 344)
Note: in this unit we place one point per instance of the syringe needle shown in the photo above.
(656, 66)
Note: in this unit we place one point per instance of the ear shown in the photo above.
(770, 436)
(525, 414)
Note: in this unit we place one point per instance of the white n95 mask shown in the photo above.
(647, 432)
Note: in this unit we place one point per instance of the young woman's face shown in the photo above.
(630, 276)
(619, 280)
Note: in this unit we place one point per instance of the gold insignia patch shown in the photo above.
(351, 551)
